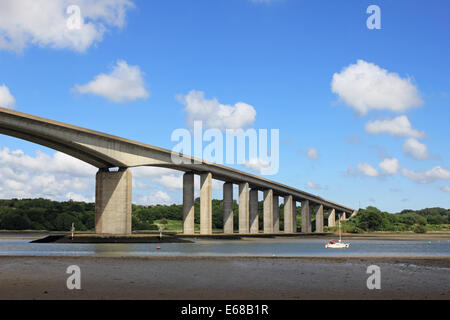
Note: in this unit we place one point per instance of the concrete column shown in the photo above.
(342, 216)
(268, 211)
(332, 218)
(355, 212)
(294, 215)
(319, 219)
(206, 203)
(276, 216)
(306, 217)
(254, 223)
(228, 207)
(188, 203)
(113, 201)
(287, 212)
(244, 208)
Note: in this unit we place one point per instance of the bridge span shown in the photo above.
(114, 188)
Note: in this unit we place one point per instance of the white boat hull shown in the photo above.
(337, 245)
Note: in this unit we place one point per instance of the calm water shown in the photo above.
(285, 248)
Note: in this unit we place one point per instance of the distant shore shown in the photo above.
(64, 237)
(224, 278)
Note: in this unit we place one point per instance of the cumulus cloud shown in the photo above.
(58, 177)
(157, 197)
(312, 154)
(399, 127)
(445, 188)
(365, 86)
(42, 162)
(6, 98)
(312, 185)
(389, 165)
(367, 169)
(167, 178)
(415, 149)
(214, 114)
(428, 176)
(257, 165)
(45, 23)
(124, 84)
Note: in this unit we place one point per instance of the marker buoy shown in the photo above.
(157, 248)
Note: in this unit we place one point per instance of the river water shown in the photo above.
(281, 248)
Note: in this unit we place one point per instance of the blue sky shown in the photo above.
(279, 57)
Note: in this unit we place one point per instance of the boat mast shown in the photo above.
(339, 230)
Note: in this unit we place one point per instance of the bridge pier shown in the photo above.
(254, 221)
(342, 216)
(268, 211)
(332, 218)
(228, 207)
(319, 218)
(306, 217)
(244, 208)
(206, 203)
(188, 203)
(276, 214)
(355, 212)
(113, 201)
(287, 212)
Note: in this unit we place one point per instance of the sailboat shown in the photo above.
(337, 244)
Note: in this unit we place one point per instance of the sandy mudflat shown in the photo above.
(223, 278)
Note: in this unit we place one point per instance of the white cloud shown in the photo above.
(78, 197)
(45, 23)
(257, 165)
(58, 177)
(312, 154)
(167, 178)
(367, 169)
(6, 98)
(312, 185)
(390, 165)
(399, 127)
(58, 163)
(214, 114)
(415, 149)
(157, 197)
(123, 84)
(445, 188)
(431, 175)
(365, 86)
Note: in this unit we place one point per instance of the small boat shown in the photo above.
(333, 244)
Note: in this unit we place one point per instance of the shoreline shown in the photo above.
(438, 261)
(168, 237)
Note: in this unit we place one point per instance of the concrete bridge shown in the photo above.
(113, 188)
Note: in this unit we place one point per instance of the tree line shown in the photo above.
(44, 214)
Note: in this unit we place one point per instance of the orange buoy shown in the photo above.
(158, 248)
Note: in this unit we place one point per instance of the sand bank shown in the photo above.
(224, 278)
